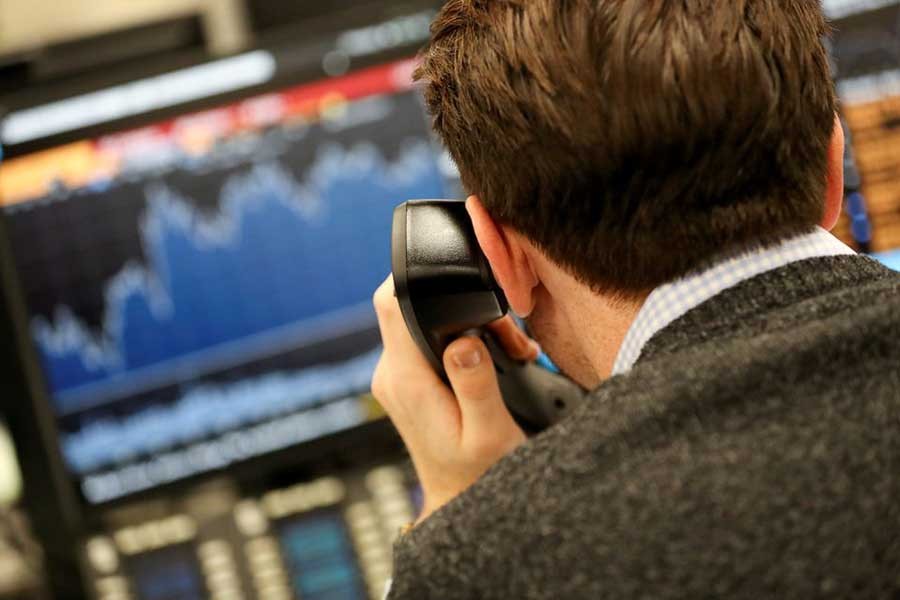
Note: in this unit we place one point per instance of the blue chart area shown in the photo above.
(210, 411)
(283, 260)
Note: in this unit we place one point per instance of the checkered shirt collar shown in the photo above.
(673, 300)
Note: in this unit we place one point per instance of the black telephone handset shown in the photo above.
(446, 289)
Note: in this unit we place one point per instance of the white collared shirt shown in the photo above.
(673, 300)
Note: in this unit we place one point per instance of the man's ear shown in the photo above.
(834, 195)
(507, 257)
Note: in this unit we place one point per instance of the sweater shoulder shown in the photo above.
(768, 455)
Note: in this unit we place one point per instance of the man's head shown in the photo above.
(633, 141)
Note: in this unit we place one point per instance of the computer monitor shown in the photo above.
(199, 290)
(890, 259)
(864, 48)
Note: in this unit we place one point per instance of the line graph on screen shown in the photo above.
(280, 257)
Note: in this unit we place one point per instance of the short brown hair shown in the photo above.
(635, 140)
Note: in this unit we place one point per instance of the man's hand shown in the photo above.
(452, 436)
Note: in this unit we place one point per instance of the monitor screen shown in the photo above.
(891, 259)
(171, 573)
(199, 289)
(320, 558)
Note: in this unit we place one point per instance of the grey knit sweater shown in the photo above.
(753, 452)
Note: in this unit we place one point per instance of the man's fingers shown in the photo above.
(394, 333)
(388, 311)
(474, 381)
(516, 343)
(403, 370)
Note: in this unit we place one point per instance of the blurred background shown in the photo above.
(195, 205)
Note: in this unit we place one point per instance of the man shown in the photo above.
(652, 184)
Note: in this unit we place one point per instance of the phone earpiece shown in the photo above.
(443, 282)
(446, 289)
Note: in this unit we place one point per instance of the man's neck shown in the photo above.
(601, 323)
(592, 326)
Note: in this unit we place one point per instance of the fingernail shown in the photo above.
(468, 359)
(536, 347)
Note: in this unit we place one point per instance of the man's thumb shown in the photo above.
(474, 380)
